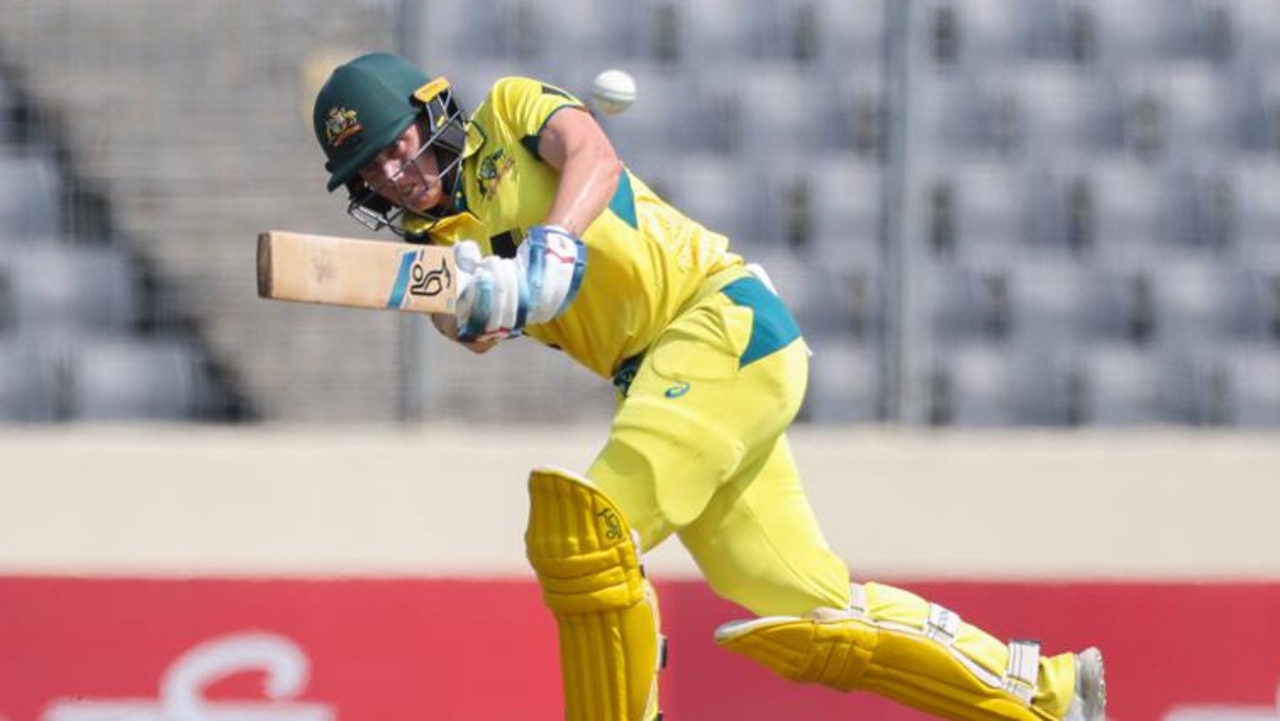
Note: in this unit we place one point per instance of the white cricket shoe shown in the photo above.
(1089, 703)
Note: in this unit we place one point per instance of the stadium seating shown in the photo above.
(1086, 195)
(844, 381)
(73, 288)
(32, 381)
(114, 378)
(31, 192)
(1251, 376)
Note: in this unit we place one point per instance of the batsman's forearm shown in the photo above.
(587, 184)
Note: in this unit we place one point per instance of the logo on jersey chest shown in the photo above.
(493, 168)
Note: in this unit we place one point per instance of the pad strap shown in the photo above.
(941, 625)
(1021, 676)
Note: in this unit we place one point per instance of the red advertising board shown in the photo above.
(392, 650)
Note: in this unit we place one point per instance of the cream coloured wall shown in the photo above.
(450, 501)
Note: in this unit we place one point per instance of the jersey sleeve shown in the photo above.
(526, 105)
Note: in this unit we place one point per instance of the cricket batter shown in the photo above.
(557, 240)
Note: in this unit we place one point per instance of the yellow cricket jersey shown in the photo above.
(645, 259)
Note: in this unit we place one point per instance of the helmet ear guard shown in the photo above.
(444, 124)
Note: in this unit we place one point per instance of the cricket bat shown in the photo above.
(358, 273)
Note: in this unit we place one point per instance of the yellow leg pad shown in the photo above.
(901, 647)
(587, 563)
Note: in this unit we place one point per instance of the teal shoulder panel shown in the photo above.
(772, 326)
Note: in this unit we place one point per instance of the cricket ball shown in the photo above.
(613, 91)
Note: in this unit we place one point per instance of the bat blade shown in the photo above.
(358, 273)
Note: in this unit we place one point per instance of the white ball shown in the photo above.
(613, 91)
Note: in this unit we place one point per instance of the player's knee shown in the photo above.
(580, 545)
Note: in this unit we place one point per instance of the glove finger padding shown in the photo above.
(494, 301)
(475, 305)
(510, 297)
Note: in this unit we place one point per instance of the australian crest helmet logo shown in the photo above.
(341, 124)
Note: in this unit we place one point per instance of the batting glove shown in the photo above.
(554, 261)
(492, 298)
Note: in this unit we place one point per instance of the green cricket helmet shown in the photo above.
(364, 106)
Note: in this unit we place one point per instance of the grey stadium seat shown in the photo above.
(1194, 302)
(983, 211)
(1048, 302)
(1252, 380)
(846, 197)
(1130, 211)
(1121, 34)
(712, 190)
(1256, 214)
(57, 285)
(1061, 110)
(849, 31)
(844, 381)
(31, 194)
(1256, 26)
(33, 380)
(1122, 385)
(965, 304)
(119, 378)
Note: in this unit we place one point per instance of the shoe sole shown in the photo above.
(1093, 684)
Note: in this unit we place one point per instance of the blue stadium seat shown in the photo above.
(990, 385)
(844, 381)
(850, 112)
(59, 286)
(1255, 316)
(1117, 35)
(963, 304)
(8, 106)
(31, 193)
(713, 190)
(1061, 110)
(970, 386)
(117, 378)
(966, 117)
(844, 300)
(1251, 376)
(1256, 27)
(985, 210)
(1194, 302)
(718, 33)
(759, 108)
(1256, 213)
(1122, 385)
(846, 208)
(1048, 302)
(850, 33)
(1130, 213)
(33, 380)
(1198, 110)
(1199, 30)
(1257, 85)
(1047, 386)
(984, 33)
(1118, 305)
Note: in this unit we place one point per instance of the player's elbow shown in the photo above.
(610, 169)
